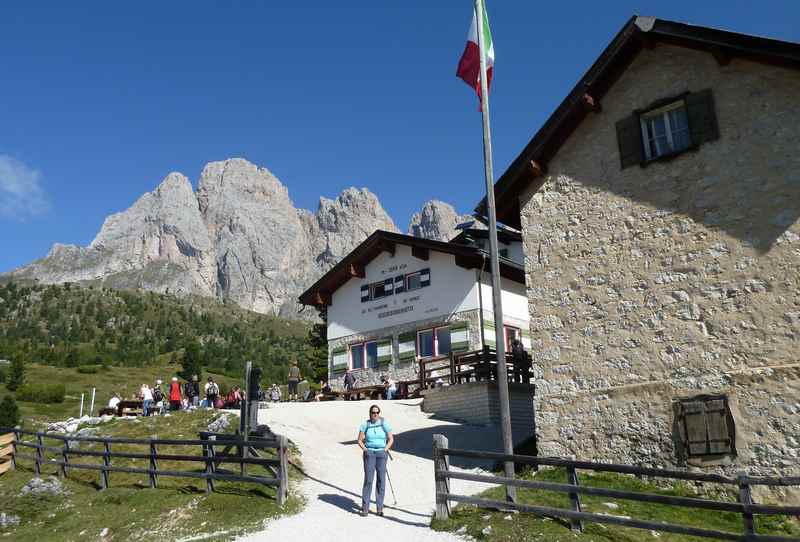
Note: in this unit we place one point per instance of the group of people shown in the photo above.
(160, 399)
(389, 385)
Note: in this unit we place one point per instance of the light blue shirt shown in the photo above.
(375, 436)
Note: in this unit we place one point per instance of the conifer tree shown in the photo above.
(191, 364)
(9, 412)
(16, 374)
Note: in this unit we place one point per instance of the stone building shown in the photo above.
(396, 299)
(658, 207)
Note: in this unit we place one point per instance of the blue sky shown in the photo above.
(99, 101)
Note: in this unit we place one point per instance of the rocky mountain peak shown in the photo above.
(437, 220)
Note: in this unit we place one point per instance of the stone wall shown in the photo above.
(479, 403)
(398, 370)
(646, 284)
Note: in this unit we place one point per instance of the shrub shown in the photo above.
(42, 393)
(88, 369)
(2, 375)
(9, 412)
(16, 374)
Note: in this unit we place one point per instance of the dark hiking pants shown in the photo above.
(374, 462)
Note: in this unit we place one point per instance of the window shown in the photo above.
(665, 130)
(377, 290)
(363, 355)
(706, 427)
(667, 127)
(433, 342)
(417, 280)
(503, 252)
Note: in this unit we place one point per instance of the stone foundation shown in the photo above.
(478, 403)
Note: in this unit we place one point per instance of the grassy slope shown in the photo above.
(178, 508)
(527, 527)
(125, 380)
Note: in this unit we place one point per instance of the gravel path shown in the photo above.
(326, 433)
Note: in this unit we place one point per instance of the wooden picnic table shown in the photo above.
(130, 408)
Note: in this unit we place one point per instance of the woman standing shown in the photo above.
(375, 439)
(174, 394)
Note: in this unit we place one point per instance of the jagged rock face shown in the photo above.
(160, 243)
(437, 221)
(239, 238)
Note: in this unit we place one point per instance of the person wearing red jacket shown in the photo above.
(174, 394)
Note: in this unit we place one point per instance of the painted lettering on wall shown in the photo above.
(393, 268)
(407, 308)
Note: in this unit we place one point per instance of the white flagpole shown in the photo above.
(502, 374)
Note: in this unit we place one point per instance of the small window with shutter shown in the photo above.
(666, 128)
(706, 426)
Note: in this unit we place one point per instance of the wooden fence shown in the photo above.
(745, 505)
(245, 452)
(6, 451)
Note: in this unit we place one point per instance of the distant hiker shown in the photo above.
(114, 401)
(211, 391)
(324, 389)
(158, 398)
(147, 399)
(191, 390)
(293, 380)
(175, 394)
(375, 439)
(389, 387)
(234, 398)
(275, 393)
(349, 384)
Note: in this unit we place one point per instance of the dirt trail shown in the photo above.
(326, 433)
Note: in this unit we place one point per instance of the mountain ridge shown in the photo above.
(238, 237)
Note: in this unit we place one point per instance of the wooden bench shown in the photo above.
(130, 408)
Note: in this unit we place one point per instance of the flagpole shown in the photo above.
(500, 347)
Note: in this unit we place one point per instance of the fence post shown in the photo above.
(283, 473)
(106, 464)
(452, 368)
(209, 455)
(37, 465)
(153, 465)
(746, 498)
(17, 436)
(65, 458)
(441, 467)
(575, 499)
(422, 381)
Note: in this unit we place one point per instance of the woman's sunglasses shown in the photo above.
(374, 411)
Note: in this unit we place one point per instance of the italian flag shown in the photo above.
(469, 67)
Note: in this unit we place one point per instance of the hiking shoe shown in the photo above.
(364, 512)
(380, 512)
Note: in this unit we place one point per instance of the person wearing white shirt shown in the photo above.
(147, 398)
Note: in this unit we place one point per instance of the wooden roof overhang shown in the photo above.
(586, 97)
(354, 264)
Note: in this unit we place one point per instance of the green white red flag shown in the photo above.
(469, 67)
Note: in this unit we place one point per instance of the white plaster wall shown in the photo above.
(453, 289)
(514, 298)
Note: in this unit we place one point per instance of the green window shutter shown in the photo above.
(459, 336)
(407, 346)
(339, 360)
(384, 351)
(488, 333)
(702, 116)
(629, 141)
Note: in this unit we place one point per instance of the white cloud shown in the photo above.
(21, 195)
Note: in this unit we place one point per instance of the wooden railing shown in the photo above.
(246, 453)
(463, 367)
(745, 505)
(6, 451)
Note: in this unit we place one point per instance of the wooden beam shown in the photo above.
(466, 262)
(420, 252)
(722, 57)
(647, 42)
(321, 298)
(355, 270)
(591, 104)
(536, 169)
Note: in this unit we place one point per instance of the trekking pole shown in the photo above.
(390, 478)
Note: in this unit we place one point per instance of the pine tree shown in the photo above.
(191, 364)
(9, 412)
(318, 353)
(16, 374)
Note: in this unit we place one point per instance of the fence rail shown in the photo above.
(467, 366)
(745, 505)
(245, 452)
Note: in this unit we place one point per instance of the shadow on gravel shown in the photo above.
(419, 442)
(340, 501)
